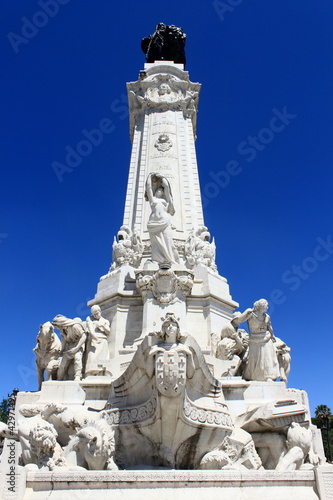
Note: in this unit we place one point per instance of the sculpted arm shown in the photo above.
(149, 189)
(90, 328)
(80, 343)
(242, 317)
(165, 184)
(105, 326)
(190, 365)
(136, 240)
(36, 349)
(270, 328)
(168, 195)
(63, 343)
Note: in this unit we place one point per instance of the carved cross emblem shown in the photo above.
(170, 372)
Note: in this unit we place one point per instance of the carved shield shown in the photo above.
(170, 372)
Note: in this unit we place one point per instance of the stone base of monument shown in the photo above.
(181, 485)
(273, 406)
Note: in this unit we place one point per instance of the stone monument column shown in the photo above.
(163, 107)
(163, 258)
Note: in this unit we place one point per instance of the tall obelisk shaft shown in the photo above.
(139, 288)
(163, 106)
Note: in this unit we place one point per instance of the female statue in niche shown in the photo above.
(158, 193)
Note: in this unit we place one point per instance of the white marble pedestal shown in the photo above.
(176, 485)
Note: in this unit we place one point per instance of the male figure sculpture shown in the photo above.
(72, 346)
(167, 43)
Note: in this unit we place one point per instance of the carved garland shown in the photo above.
(210, 417)
(132, 415)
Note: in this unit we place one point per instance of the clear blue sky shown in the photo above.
(272, 219)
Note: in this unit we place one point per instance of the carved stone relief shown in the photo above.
(162, 92)
(127, 248)
(199, 250)
(158, 398)
(164, 284)
(163, 143)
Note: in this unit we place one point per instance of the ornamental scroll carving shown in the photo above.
(166, 92)
(165, 284)
(132, 415)
(162, 92)
(217, 417)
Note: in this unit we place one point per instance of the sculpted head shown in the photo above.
(124, 233)
(203, 233)
(159, 193)
(170, 331)
(205, 236)
(59, 322)
(46, 329)
(160, 27)
(163, 89)
(96, 312)
(43, 439)
(261, 305)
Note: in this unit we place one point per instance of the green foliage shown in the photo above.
(322, 411)
(324, 421)
(4, 410)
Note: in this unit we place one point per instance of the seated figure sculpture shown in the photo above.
(72, 346)
(231, 347)
(233, 340)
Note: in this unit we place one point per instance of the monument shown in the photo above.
(159, 391)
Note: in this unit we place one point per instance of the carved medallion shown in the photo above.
(163, 143)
